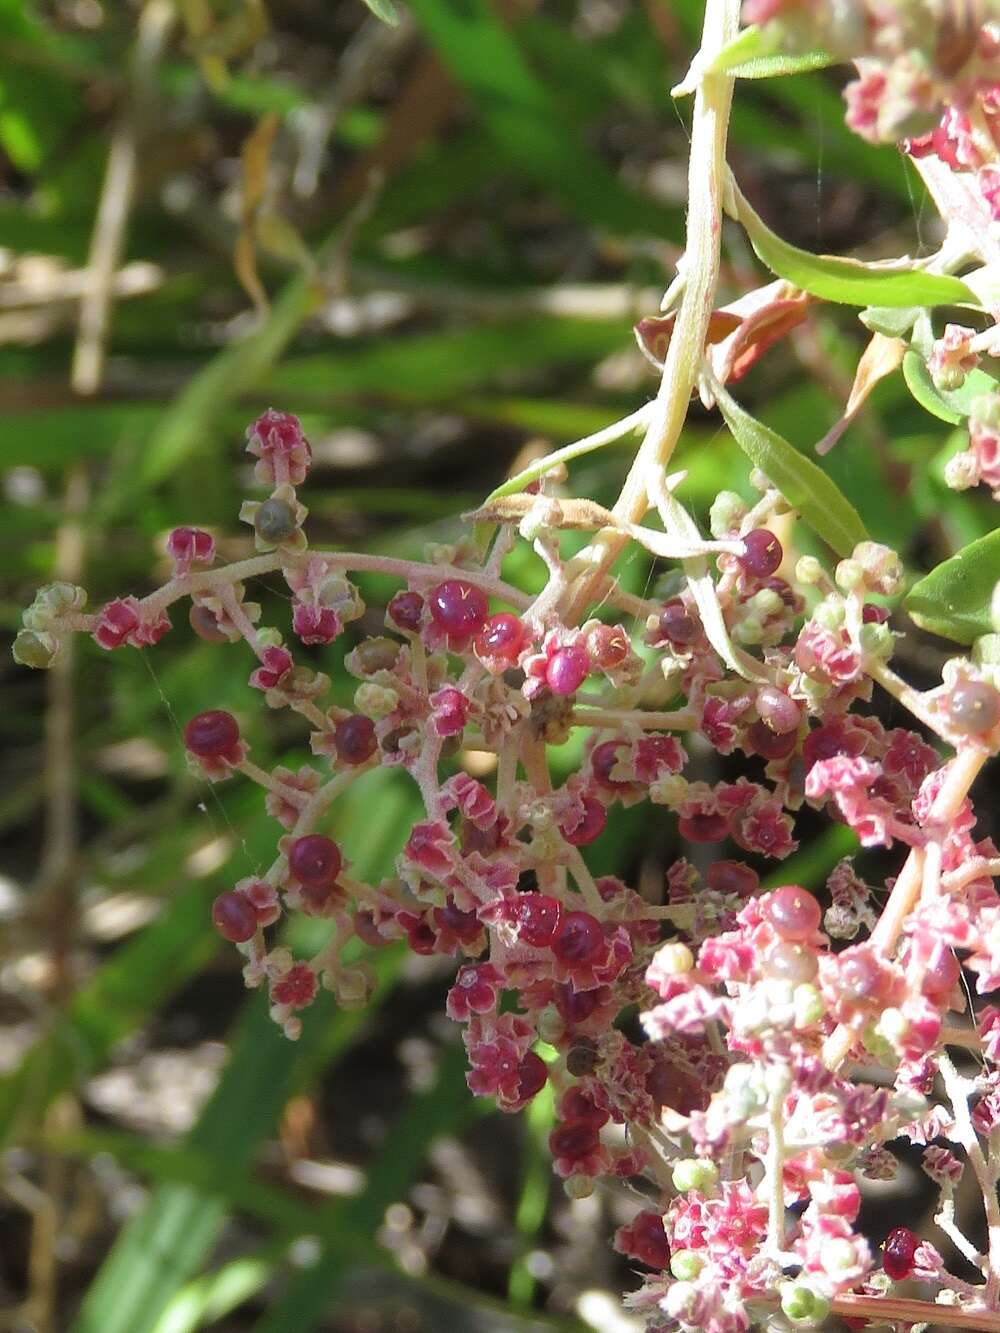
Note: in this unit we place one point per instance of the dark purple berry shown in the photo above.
(579, 940)
(212, 735)
(770, 744)
(677, 625)
(405, 611)
(458, 608)
(973, 707)
(275, 520)
(531, 1077)
(649, 1241)
(582, 1057)
(465, 926)
(354, 738)
(234, 917)
(762, 553)
(704, 826)
(576, 1006)
(205, 625)
(314, 860)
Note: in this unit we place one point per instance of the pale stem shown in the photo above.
(886, 1309)
(944, 1219)
(293, 795)
(910, 698)
(585, 882)
(681, 720)
(958, 1090)
(774, 1164)
(706, 175)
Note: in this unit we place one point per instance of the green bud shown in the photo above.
(749, 630)
(766, 603)
(375, 700)
(876, 1045)
(830, 613)
(986, 409)
(579, 1187)
(849, 575)
(269, 637)
(808, 570)
(695, 1173)
(809, 1006)
(686, 1264)
(551, 1026)
(961, 471)
(35, 650)
(986, 650)
(727, 512)
(802, 1305)
(877, 641)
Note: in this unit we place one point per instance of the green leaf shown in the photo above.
(954, 599)
(951, 405)
(803, 484)
(849, 281)
(526, 123)
(752, 55)
(384, 10)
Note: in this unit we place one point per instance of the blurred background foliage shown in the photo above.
(431, 241)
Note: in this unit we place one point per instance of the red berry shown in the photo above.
(770, 744)
(354, 738)
(793, 912)
(897, 1254)
(860, 976)
(537, 916)
(578, 1105)
(315, 861)
(405, 611)
(590, 827)
(732, 877)
(576, 1006)
(532, 1076)
(502, 638)
(567, 669)
(608, 646)
(777, 710)
(602, 760)
(762, 553)
(576, 1140)
(212, 735)
(234, 917)
(458, 608)
(579, 940)
(677, 625)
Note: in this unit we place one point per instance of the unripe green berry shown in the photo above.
(986, 650)
(37, 650)
(766, 603)
(849, 575)
(877, 641)
(551, 1024)
(802, 1305)
(674, 959)
(727, 512)
(579, 1187)
(961, 471)
(750, 630)
(809, 1006)
(695, 1173)
(375, 701)
(986, 410)
(830, 613)
(686, 1264)
(808, 570)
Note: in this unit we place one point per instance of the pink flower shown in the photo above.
(474, 992)
(126, 621)
(472, 799)
(827, 655)
(449, 712)
(190, 546)
(431, 847)
(296, 988)
(275, 664)
(282, 451)
(315, 624)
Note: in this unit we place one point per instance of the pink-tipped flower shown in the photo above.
(282, 451)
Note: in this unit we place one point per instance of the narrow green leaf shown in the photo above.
(384, 10)
(752, 55)
(803, 484)
(951, 405)
(954, 599)
(849, 281)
